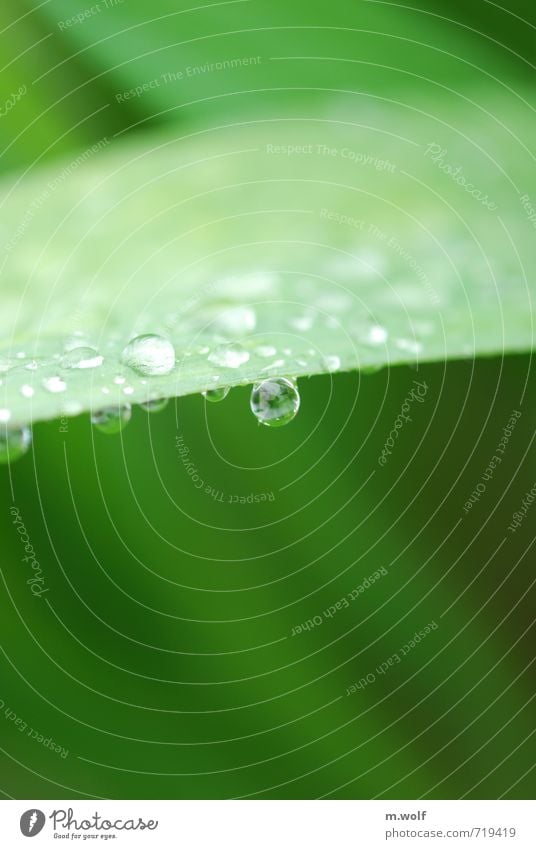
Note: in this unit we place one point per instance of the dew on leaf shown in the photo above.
(149, 355)
(275, 402)
(112, 420)
(82, 358)
(377, 335)
(410, 345)
(54, 384)
(229, 356)
(332, 363)
(155, 405)
(237, 321)
(215, 395)
(14, 443)
(266, 351)
(302, 323)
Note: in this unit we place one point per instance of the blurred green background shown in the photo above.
(161, 657)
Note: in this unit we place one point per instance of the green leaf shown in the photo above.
(352, 241)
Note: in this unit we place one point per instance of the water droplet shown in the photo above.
(82, 358)
(302, 323)
(266, 351)
(377, 335)
(277, 364)
(5, 415)
(112, 419)
(410, 345)
(27, 391)
(332, 363)
(275, 401)
(54, 384)
(238, 321)
(156, 405)
(14, 443)
(150, 355)
(71, 408)
(215, 395)
(229, 356)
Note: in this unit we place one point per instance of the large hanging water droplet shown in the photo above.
(275, 401)
(149, 354)
(82, 358)
(155, 406)
(218, 394)
(112, 420)
(229, 356)
(14, 443)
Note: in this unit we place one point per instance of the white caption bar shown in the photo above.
(270, 824)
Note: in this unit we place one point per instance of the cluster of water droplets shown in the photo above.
(274, 402)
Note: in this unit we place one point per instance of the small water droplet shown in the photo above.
(229, 356)
(410, 345)
(215, 395)
(266, 351)
(27, 391)
(156, 405)
(82, 358)
(277, 364)
(149, 355)
(72, 408)
(302, 323)
(54, 384)
(275, 402)
(112, 419)
(14, 443)
(5, 415)
(238, 321)
(332, 363)
(377, 335)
